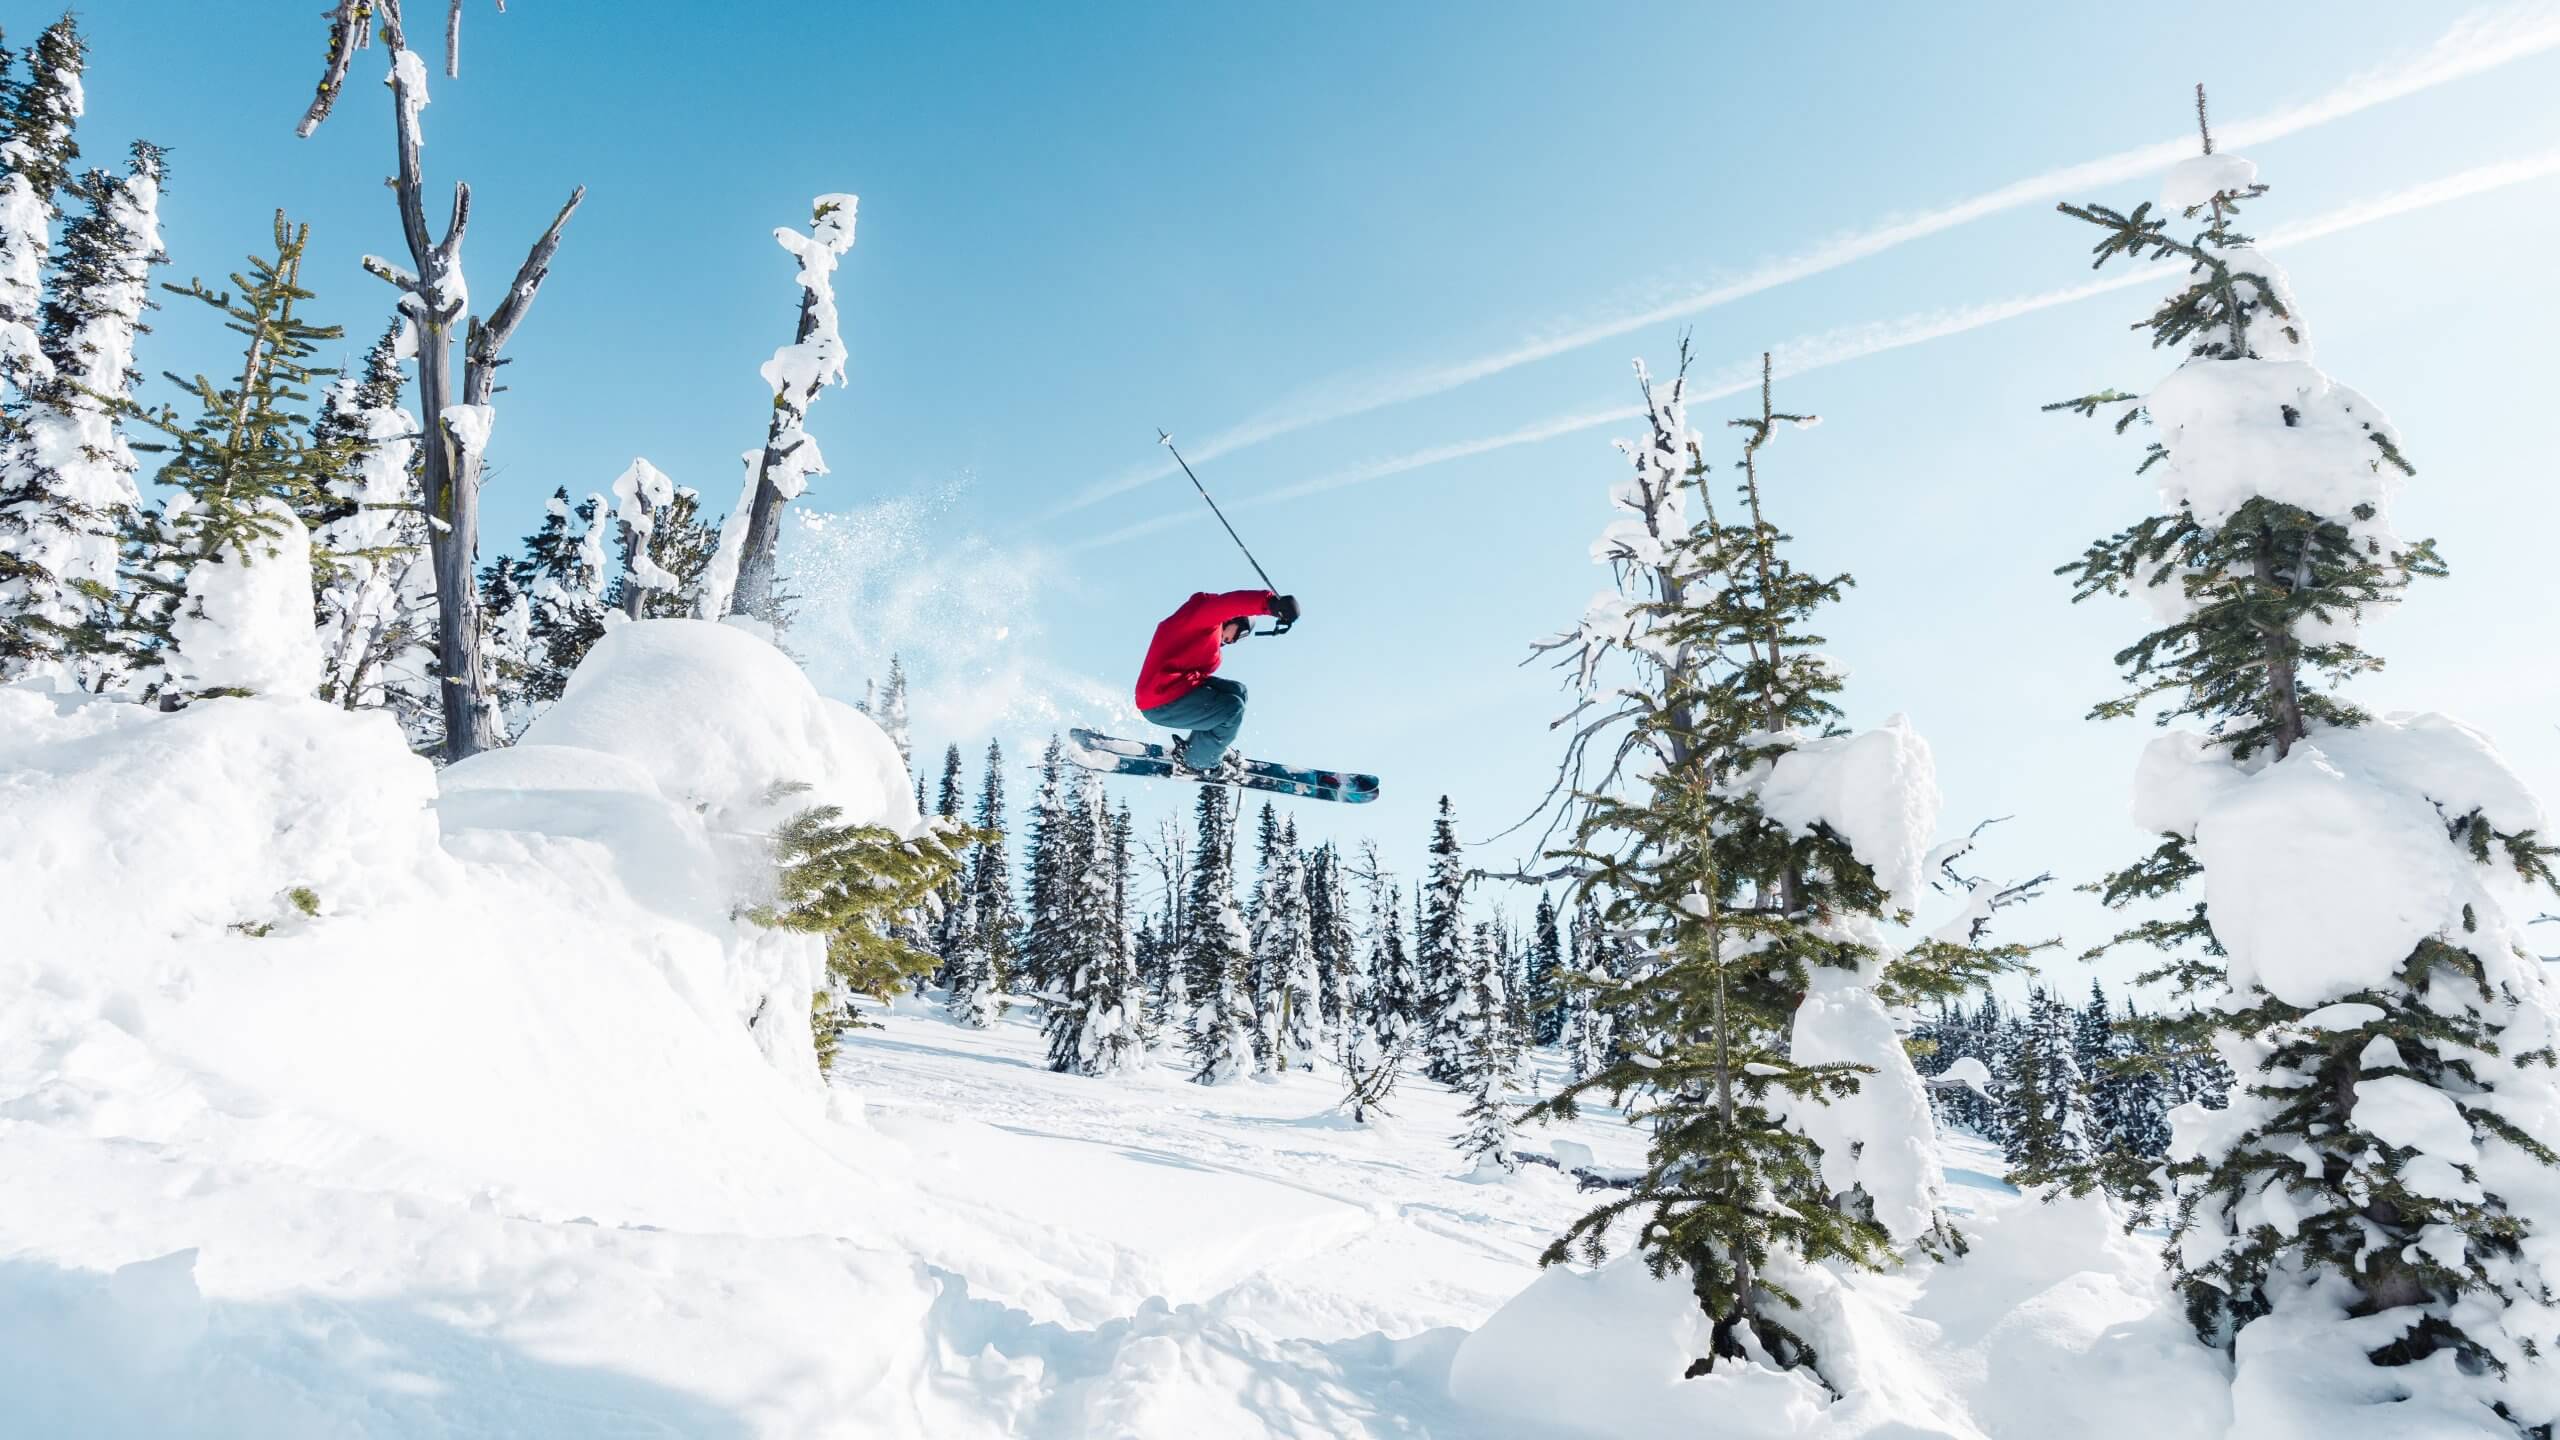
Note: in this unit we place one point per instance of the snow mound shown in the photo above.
(1883, 1137)
(123, 823)
(245, 623)
(717, 719)
(2054, 1323)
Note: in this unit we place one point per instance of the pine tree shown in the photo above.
(854, 884)
(563, 578)
(1284, 955)
(246, 470)
(1590, 1028)
(1754, 988)
(950, 925)
(676, 544)
(983, 971)
(2288, 802)
(369, 549)
(1483, 1049)
(1053, 874)
(1545, 1000)
(1394, 991)
(1217, 956)
(1094, 1027)
(1332, 932)
(68, 502)
(2044, 1113)
(1440, 950)
(893, 711)
(38, 115)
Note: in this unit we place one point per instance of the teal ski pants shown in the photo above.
(1211, 714)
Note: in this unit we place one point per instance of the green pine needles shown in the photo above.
(853, 884)
(1720, 914)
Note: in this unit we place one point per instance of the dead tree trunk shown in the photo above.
(435, 299)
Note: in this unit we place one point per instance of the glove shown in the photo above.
(1285, 609)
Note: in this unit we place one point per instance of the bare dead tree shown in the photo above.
(351, 30)
(789, 456)
(435, 299)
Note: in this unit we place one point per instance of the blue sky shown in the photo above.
(1079, 223)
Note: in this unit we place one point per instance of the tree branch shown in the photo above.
(502, 322)
(350, 26)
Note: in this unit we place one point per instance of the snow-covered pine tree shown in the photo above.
(1095, 1030)
(1284, 954)
(1168, 988)
(641, 493)
(38, 117)
(1393, 994)
(563, 577)
(893, 710)
(1440, 950)
(506, 642)
(230, 548)
(1511, 961)
(1544, 997)
(680, 545)
(68, 501)
(1483, 1047)
(1336, 933)
(1052, 874)
(1589, 1027)
(369, 549)
(1217, 953)
(2381, 1184)
(983, 969)
(1751, 877)
(950, 922)
(2044, 1113)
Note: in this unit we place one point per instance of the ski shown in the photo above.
(1112, 755)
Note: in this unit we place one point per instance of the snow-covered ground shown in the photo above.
(488, 1146)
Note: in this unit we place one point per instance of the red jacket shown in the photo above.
(1186, 648)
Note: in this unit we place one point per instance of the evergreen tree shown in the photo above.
(1053, 877)
(1217, 956)
(1440, 950)
(1332, 932)
(38, 116)
(1394, 991)
(950, 923)
(984, 968)
(1284, 954)
(1590, 1028)
(677, 545)
(1545, 999)
(2044, 1112)
(2274, 543)
(376, 603)
(1094, 1029)
(246, 470)
(1483, 1049)
(68, 502)
(893, 710)
(1754, 993)
(563, 577)
(853, 884)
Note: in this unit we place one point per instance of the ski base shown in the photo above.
(1112, 755)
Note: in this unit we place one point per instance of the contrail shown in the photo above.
(1856, 342)
(2477, 43)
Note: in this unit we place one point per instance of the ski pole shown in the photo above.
(1166, 440)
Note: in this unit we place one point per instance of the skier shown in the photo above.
(1178, 687)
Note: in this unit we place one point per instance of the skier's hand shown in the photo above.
(1285, 609)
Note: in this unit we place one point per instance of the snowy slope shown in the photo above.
(489, 1146)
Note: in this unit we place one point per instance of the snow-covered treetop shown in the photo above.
(817, 358)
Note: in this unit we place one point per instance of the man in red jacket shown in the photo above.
(1178, 687)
